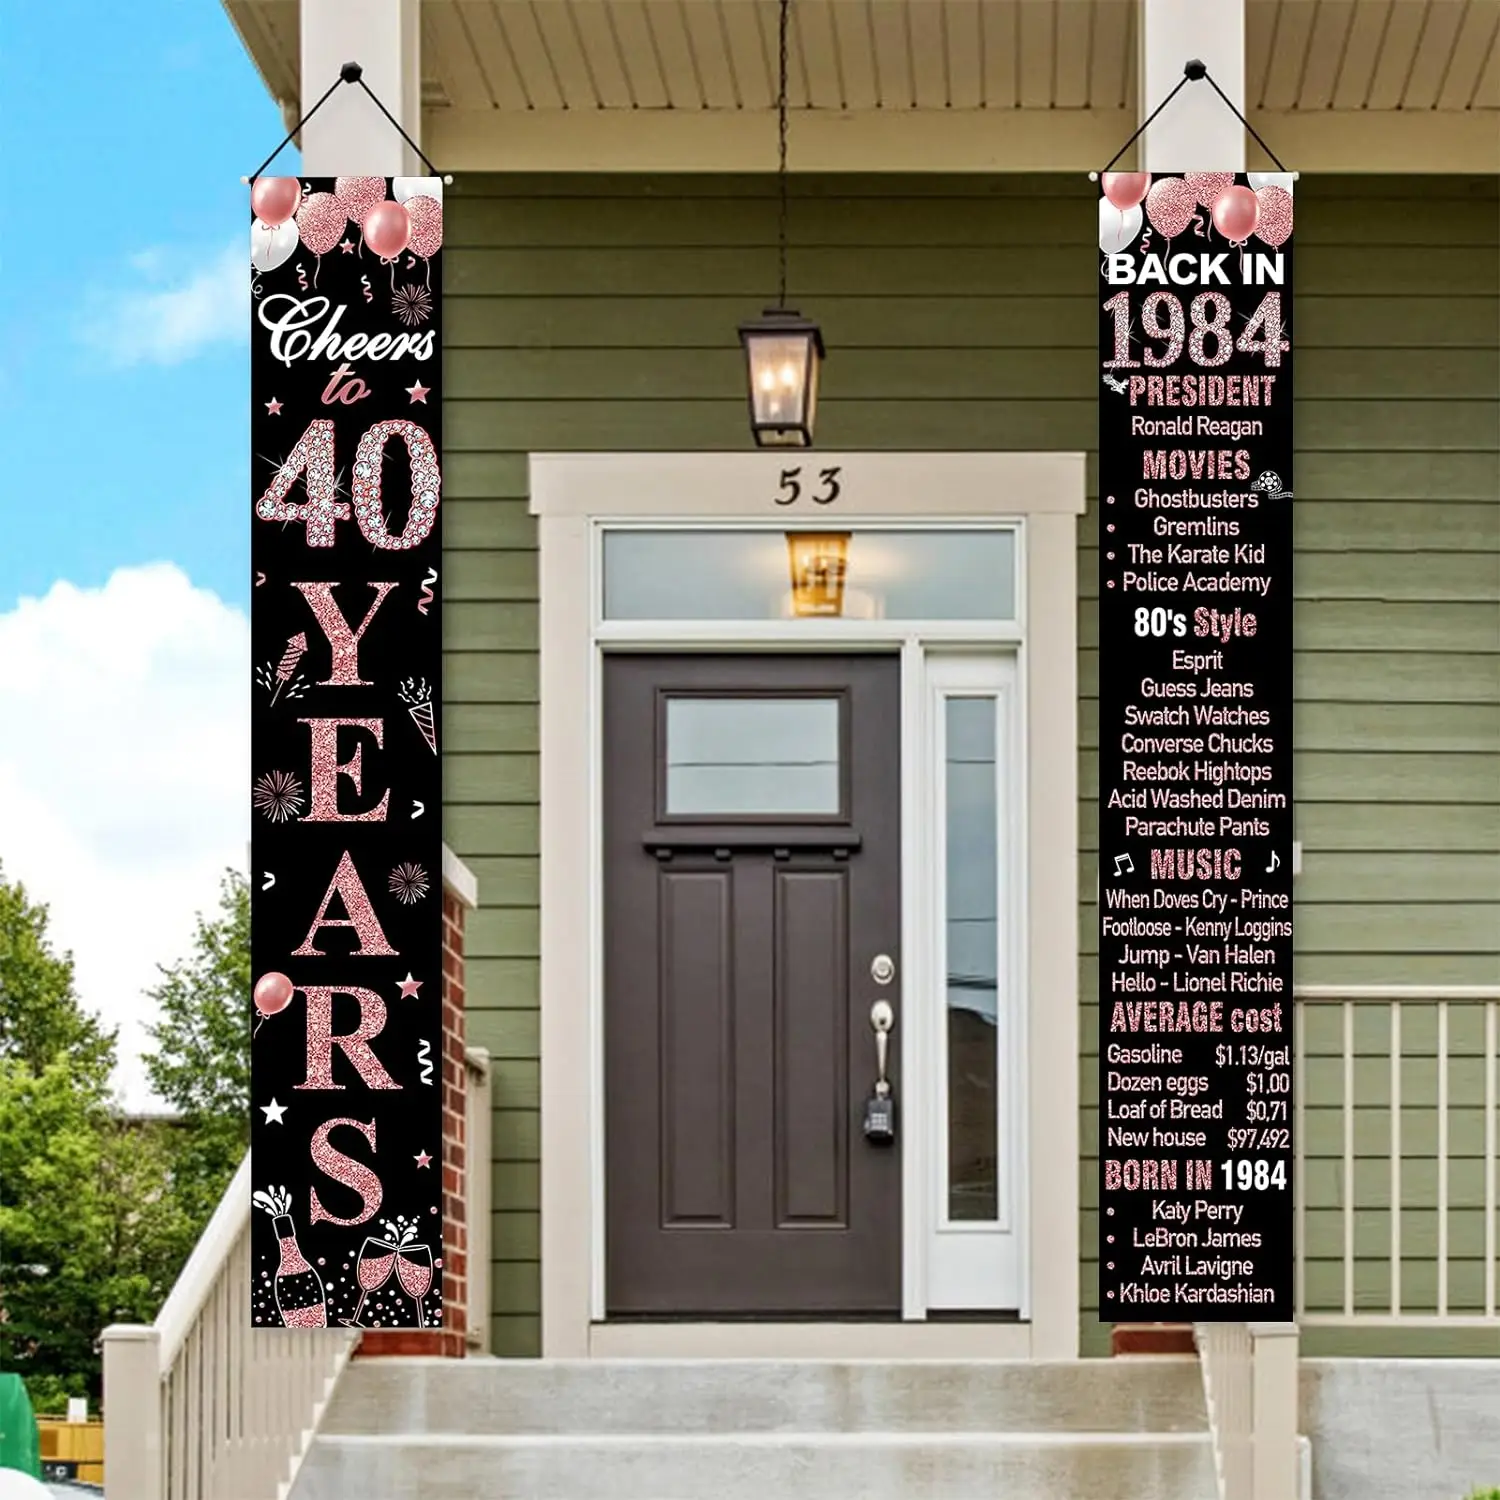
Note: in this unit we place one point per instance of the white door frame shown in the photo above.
(572, 495)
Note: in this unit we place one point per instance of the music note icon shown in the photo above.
(1275, 860)
(1126, 861)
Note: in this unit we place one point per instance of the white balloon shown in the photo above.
(1258, 180)
(403, 188)
(1117, 228)
(269, 247)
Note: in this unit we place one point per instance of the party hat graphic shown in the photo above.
(418, 700)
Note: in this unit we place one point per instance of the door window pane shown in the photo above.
(752, 575)
(972, 886)
(738, 757)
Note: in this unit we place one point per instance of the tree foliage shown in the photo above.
(202, 1063)
(99, 1210)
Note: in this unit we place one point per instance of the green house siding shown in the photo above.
(599, 314)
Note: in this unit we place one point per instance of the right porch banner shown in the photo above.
(1195, 747)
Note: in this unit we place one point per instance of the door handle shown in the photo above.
(882, 1018)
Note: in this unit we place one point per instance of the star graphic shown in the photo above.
(273, 1112)
(273, 407)
(418, 392)
(410, 986)
(347, 247)
(422, 1158)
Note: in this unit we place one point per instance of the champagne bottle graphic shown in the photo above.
(298, 1288)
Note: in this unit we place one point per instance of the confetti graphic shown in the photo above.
(418, 700)
(427, 595)
(424, 1056)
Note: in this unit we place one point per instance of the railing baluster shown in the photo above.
(1395, 1158)
(1442, 1124)
(1348, 1158)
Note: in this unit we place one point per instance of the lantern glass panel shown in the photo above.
(783, 385)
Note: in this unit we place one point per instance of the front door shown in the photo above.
(752, 869)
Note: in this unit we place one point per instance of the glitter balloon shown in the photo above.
(358, 195)
(403, 189)
(1207, 186)
(1170, 205)
(426, 225)
(321, 222)
(1275, 226)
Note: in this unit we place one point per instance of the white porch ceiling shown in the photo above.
(541, 58)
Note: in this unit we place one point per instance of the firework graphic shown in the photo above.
(412, 304)
(278, 794)
(409, 883)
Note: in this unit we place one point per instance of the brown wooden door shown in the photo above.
(752, 875)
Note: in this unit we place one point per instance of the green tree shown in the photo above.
(202, 1063)
(91, 1230)
(40, 1017)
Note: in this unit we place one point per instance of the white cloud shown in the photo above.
(169, 318)
(124, 764)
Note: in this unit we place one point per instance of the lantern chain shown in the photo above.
(781, 149)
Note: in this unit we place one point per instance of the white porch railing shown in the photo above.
(200, 1406)
(1398, 1155)
(1250, 1385)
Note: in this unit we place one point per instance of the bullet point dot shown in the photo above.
(1110, 527)
(1109, 1239)
(1110, 499)
(1109, 1294)
(1111, 556)
(1111, 583)
(1110, 1266)
(1110, 1212)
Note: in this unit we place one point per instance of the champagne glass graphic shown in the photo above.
(414, 1271)
(373, 1271)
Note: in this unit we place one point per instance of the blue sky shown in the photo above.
(124, 501)
(122, 368)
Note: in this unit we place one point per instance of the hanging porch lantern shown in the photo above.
(783, 350)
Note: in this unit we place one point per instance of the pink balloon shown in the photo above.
(320, 222)
(273, 993)
(1170, 205)
(358, 195)
(1125, 189)
(275, 199)
(1275, 225)
(1236, 213)
(1207, 186)
(426, 225)
(387, 229)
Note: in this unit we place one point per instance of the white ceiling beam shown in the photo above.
(349, 136)
(1195, 132)
(915, 140)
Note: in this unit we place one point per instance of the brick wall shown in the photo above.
(450, 1340)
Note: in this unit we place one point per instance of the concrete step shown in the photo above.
(755, 1466)
(645, 1397)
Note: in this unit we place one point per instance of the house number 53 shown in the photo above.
(826, 492)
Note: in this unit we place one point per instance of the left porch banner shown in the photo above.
(346, 796)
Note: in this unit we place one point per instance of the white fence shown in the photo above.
(1396, 1181)
(1250, 1386)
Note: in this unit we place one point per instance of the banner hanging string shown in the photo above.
(1192, 72)
(351, 72)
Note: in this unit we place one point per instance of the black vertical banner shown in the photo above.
(1195, 747)
(346, 849)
